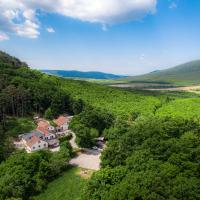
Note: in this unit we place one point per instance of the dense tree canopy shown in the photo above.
(156, 158)
(90, 124)
(23, 175)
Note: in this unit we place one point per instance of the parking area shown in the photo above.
(87, 159)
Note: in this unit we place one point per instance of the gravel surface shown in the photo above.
(87, 160)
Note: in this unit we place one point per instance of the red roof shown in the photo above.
(43, 130)
(32, 141)
(61, 120)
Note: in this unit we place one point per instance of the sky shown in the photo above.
(128, 37)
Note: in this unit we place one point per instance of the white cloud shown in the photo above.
(50, 30)
(106, 11)
(20, 16)
(27, 29)
(3, 37)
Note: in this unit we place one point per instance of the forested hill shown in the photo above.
(24, 92)
(148, 155)
(188, 73)
(83, 75)
(39, 90)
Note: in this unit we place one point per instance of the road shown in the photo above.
(73, 141)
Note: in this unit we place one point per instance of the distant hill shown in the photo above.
(84, 75)
(188, 73)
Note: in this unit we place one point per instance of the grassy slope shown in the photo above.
(185, 74)
(66, 187)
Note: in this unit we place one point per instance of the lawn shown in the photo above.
(66, 187)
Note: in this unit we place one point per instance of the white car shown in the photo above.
(95, 148)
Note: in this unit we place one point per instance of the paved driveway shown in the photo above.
(73, 140)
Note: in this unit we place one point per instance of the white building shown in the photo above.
(34, 144)
(62, 123)
(46, 134)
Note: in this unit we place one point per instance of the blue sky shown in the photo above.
(136, 39)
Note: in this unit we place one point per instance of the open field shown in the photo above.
(158, 87)
(66, 187)
(194, 88)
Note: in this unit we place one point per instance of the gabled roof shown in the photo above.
(28, 136)
(32, 141)
(61, 120)
(43, 131)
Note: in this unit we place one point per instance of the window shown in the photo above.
(44, 145)
(39, 146)
(33, 147)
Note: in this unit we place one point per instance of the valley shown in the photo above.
(158, 87)
(99, 100)
(151, 138)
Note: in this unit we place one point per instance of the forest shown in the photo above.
(152, 149)
(157, 158)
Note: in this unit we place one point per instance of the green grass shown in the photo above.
(67, 187)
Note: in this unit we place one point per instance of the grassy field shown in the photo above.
(66, 187)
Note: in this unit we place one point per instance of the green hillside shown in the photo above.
(25, 92)
(185, 74)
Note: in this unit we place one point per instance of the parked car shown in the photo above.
(95, 148)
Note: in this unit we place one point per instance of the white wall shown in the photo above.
(38, 146)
